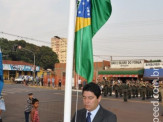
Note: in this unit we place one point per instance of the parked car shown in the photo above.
(20, 79)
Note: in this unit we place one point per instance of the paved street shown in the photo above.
(51, 105)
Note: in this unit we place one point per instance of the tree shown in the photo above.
(45, 57)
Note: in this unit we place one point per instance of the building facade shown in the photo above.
(124, 70)
(59, 45)
(153, 70)
(13, 69)
(60, 72)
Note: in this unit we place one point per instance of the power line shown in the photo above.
(125, 56)
(116, 57)
(23, 37)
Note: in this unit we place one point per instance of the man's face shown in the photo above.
(90, 100)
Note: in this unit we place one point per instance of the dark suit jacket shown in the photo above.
(102, 115)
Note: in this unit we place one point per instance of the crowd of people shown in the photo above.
(33, 81)
(37, 81)
(130, 89)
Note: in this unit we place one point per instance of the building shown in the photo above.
(59, 45)
(12, 69)
(153, 70)
(60, 72)
(124, 70)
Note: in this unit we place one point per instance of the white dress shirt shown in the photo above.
(93, 113)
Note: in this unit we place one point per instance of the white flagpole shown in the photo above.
(69, 61)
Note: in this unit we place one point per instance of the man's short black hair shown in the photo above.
(34, 101)
(92, 87)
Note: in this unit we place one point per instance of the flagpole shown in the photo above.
(69, 61)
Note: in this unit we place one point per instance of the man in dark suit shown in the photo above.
(93, 111)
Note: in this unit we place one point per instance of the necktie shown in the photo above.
(88, 119)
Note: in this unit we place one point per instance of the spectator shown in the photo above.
(42, 81)
(37, 80)
(60, 83)
(28, 107)
(53, 82)
(49, 82)
(79, 83)
(84, 83)
(2, 107)
(34, 112)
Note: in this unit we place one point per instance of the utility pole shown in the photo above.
(20, 47)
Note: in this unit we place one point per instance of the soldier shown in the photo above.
(105, 90)
(125, 89)
(160, 95)
(143, 91)
(147, 90)
(120, 89)
(161, 103)
(116, 88)
(150, 91)
(99, 84)
(133, 90)
(137, 89)
(110, 88)
(140, 88)
(129, 91)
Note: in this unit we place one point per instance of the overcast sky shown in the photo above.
(134, 28)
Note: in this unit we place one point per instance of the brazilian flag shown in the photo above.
(91, 16)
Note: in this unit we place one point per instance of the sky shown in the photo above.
(135, 27)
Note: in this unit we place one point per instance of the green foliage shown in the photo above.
(45, 57)
(155, 60)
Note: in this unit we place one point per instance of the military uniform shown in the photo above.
(110, 88)
(150, 91)
(137, 89)
(143, 91)
(129, 91)
(120, 89)
(125, 91)
(160, 95)
(161, 102)
(147, 90)
(133, 90)
(105, 90)
(140, 88)
(116, 88)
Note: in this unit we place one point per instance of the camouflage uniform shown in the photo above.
(137, 89)
(105, 90)
(125, 91)
(120, 89)
(116, 89)
(133, 90)
(143, 91)
(110, 88)
(147, 90)
(129, 91)
(140, 88)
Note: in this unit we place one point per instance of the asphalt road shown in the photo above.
(52, 105)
